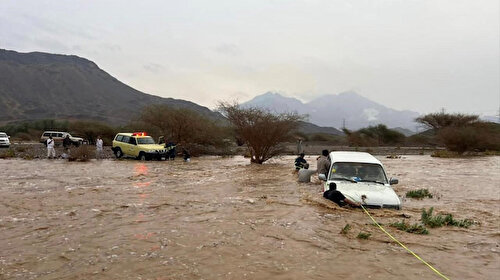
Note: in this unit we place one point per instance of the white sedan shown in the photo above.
(4, 140)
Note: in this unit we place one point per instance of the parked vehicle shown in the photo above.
(59, 136)
(4, 140)
(362, 178)
(138, 145)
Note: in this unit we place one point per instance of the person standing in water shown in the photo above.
(51, 152)
(98, 147)
(323, 163)
(300, 162)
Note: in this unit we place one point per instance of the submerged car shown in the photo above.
(361, 177)
(4, 140)
(138, 145)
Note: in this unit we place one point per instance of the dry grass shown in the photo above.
(9, 153)
(82, 153)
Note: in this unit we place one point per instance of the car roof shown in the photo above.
(361, 157)
(131, 134)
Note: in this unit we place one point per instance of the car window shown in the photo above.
(119, 138)
(3, 135)
(358, 172)
(59, 134)
(132, 141)
(145, 140)
(126, 139)
(46, 134)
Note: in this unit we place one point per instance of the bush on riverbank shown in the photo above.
(443, 220)
(82, 153)
(419, 194)
(9, 153)
(463, 133)
(373, 136)
(415, 228)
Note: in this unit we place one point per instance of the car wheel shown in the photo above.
(118, 153)
(142, 156)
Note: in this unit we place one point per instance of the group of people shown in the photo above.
(51, 151)
(302, 167)
(323, 166)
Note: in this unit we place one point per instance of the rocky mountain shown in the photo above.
(334, 110)
(41, 85)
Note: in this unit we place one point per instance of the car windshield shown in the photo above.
(3, 135)
(358, 172)
(145, 140)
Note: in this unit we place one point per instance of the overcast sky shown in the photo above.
(417, 55)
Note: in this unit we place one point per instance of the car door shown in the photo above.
(134, 150)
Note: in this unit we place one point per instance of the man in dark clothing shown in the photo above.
(186, 155)
(66, 144)
(337, 197)
(170, 151)
(300, 162)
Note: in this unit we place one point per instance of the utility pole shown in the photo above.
(343, 123)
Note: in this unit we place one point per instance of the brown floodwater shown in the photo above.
(222, 218)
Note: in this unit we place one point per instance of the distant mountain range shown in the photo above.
(39, 85)
(334, 110)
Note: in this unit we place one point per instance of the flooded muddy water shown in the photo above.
(222, 218)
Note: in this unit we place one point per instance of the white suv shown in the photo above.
(361, 177)
(59, 136)
(4, 140)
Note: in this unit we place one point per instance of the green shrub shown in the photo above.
(415, 228)
(346, 229)
(419, 194)
(443, 220)
(8, 154)
(374, 136)
(364, 235)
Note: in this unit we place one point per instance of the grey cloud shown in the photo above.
(228, 49)
(153, 67)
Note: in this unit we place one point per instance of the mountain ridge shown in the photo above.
(332, 110)
(40, 85)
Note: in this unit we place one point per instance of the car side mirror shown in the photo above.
(393, 181)
(322, 177)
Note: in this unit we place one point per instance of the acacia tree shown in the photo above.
(461, 132)
(442, 120)
(262, 131)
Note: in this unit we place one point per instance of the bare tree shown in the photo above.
(262, 131)
(181, 125)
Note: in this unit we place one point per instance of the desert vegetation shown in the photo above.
(185, 127)
(364, 235)
(462, 133)
(415, 228)
(371, 136)
(442, 220)
(262, 131)
(419, 194)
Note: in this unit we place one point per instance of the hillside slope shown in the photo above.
(41, 85)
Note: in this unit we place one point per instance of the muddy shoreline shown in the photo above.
(34, 150)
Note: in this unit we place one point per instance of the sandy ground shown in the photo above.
(222, 218)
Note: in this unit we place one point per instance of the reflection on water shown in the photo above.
(221, 218)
